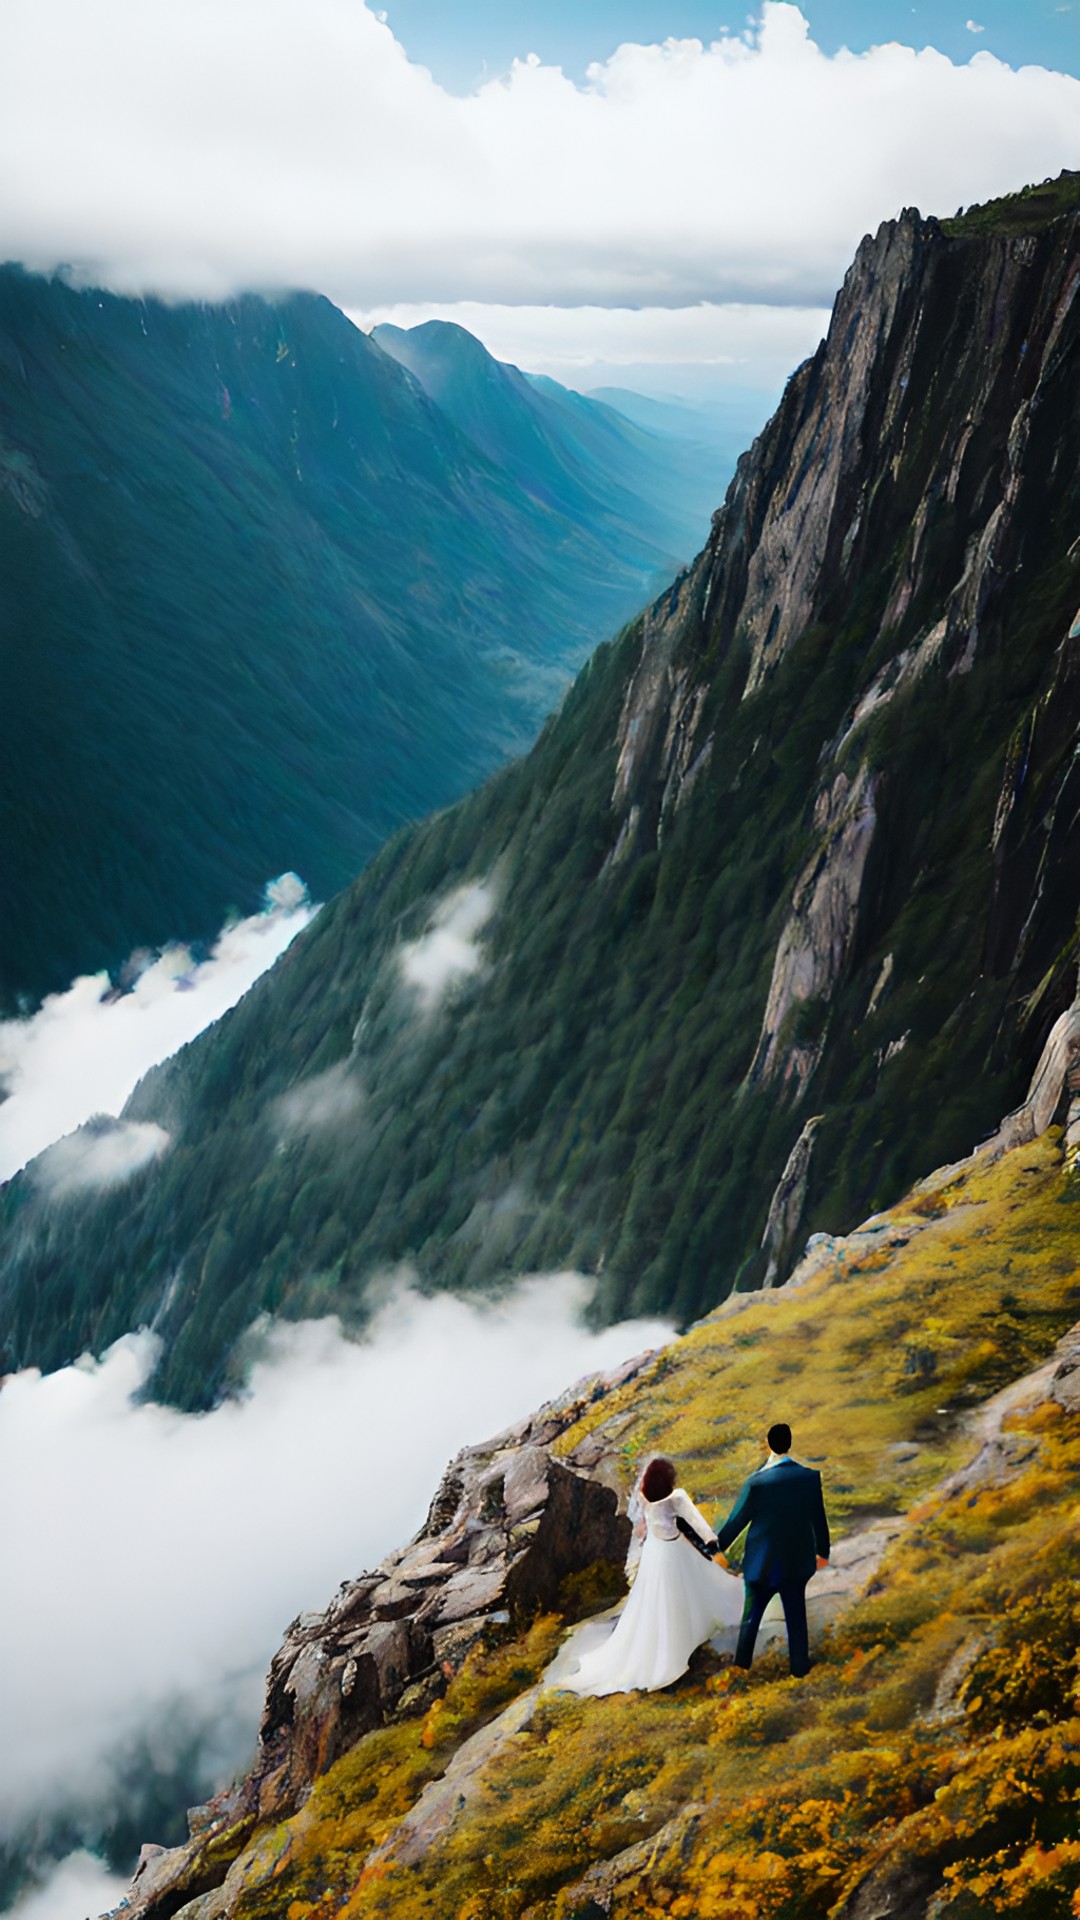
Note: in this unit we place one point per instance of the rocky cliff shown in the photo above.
(801, 846)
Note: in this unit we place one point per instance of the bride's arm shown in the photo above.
(685, 1507)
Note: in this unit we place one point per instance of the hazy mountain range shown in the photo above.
(266, 597)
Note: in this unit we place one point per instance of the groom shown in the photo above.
(789, 1539)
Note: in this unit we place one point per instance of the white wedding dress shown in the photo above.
(678, 1600)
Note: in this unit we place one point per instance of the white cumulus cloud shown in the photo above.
(84, 1050)
(194, 148)
(153, 1557)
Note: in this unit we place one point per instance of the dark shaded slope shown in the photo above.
(801, 846)
(262, 601)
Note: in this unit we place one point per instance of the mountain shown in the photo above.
(776, 915)
(416, 1755)
(263, 601)
(714, 428)
(640, 479)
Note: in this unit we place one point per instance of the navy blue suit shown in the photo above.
(784, 1509)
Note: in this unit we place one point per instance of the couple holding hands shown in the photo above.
(684, 1593)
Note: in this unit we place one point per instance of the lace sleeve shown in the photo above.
(687, 1511)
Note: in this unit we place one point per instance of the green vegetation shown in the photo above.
(581, 1099)
(1024, 212)
(937, 1739)
(263, 601)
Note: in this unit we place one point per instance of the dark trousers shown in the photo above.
(792, 1593)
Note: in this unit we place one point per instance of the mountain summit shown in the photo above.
(776, 916)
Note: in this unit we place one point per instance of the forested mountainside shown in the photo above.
(417, 1755)
(263, 601)
(776, 915)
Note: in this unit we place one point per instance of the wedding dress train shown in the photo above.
(678, 1600)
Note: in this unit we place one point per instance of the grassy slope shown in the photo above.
(782, 1793)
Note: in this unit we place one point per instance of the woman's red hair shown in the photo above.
(658, 1480)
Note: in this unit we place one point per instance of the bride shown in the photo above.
(678, 1600)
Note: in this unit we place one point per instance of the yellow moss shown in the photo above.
(866, 1353)
(312, 1858)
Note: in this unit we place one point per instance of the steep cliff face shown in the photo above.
(802, 843)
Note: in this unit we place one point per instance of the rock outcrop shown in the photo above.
(817, 939)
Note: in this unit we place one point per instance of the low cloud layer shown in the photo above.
(84, 1051)
(102, 1155)
(152, 1557)
(78, 1886)
(192, 149)
(709, 347)
(449, 949)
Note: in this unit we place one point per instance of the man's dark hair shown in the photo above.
(658, 1480)
(779, 1437)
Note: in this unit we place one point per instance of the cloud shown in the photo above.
(153, 1558)
(192, 148)
(84, 1051)
(104, 1153)
(974, 27)
(78, 1885)
(744, 345)
(449, 950)
(324, 1100)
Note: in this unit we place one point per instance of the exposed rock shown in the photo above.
(1056, 1081)
(816, 942)
(803, 520)
(788, 1202)
(898, 1888)
(947, 1704)
(1054, 1094)
(442, 1800)
(1065, 1379)
(596, 1889)
(658, 753)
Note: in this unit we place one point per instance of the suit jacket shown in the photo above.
(784, 1509)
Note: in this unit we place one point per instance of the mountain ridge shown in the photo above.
(264, 601)
(560, 444)
(785, 893)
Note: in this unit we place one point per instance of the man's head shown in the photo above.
(779, 1437)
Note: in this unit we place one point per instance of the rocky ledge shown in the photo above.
(508, 1525)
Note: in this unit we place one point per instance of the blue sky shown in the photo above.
(469, 41)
